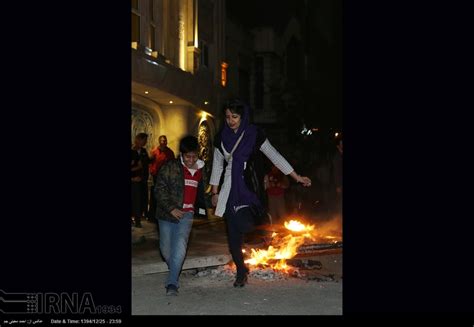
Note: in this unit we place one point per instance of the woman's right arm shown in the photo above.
(217, 167)
(282, 164)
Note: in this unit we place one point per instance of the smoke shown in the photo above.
(331, 227)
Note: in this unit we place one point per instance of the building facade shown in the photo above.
(288, 66)
(177, 77)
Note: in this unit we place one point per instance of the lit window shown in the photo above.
(224, 73)
(135, 28)
(135, 22)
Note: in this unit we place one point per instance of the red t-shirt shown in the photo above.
(160, 158)
(273, 179)
(190, 188)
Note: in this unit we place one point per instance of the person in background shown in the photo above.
(275, 184)
(139, 146)
(136, 178)
(159, 156)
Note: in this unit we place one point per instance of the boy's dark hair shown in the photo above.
(189, 143)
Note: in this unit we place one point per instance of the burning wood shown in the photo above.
(305, 263)
(296, 238)
(297, 263)
(310, 248)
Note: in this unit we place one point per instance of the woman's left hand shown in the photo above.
(214, 199)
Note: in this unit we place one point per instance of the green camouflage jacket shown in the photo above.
(169, 190)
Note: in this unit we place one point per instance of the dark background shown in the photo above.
(407, 84)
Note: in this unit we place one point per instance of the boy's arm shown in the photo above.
(162, 190)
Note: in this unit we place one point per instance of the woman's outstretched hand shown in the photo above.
(304, 180)
(301, 179)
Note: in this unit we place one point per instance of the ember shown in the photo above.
(302, 269)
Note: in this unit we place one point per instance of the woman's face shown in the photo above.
(233, 120)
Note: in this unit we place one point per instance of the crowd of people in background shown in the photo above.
(144, 165)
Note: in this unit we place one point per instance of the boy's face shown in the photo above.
(190, 159)
(140, 142)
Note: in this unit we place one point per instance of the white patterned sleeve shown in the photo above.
(276, 158)
(217, 167)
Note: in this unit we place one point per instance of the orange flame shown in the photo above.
(296, 226)
(285, 247)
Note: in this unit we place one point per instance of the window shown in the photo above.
(258, 83)
(135, 22)
(135, 28)
(294, 60)
(244, 85)
(152, 34)
(152, 14)
(224, 66)
(152, 37)
(204, 60)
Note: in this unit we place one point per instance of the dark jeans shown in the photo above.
(238, 224)
(136, 200)
(144, 197)
(152, 208)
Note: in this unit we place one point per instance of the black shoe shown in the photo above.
(171, 290)
(240, 281)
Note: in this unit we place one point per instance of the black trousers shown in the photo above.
(238, 224)
(144, 198)
(152, 208)
(136, 200)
